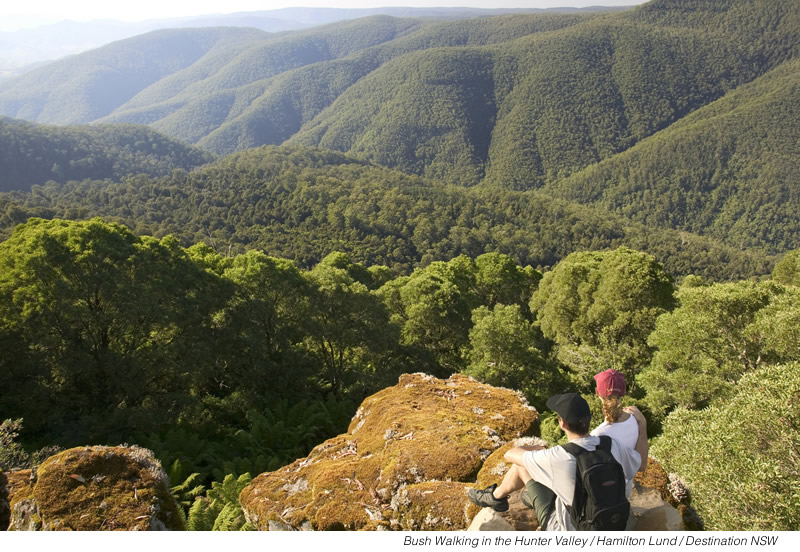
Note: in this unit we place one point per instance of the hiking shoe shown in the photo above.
(485, 499)
(525, 498)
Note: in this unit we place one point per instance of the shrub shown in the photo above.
(741, 458)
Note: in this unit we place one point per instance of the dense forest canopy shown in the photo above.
(228, 365)
(34, 154)
(301, 204)
(678, 115)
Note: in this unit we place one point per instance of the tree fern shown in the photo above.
(220, 510)
(187, 492)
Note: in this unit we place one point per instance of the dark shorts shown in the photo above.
(543, 499)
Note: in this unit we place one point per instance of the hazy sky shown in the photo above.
(15, 13)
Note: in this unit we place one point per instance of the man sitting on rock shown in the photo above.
(548, 474)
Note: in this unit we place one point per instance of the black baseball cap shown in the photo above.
(572, 408)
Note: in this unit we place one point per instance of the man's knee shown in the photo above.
(519, 472)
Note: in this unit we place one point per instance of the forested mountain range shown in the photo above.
(33, 154)
(674, 116)
(729, 170)
(479, 98)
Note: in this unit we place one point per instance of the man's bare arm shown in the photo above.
(514, 455)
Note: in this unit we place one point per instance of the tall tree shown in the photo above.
(600, 307)
(506, 350)
(348, 327)
(119, 324)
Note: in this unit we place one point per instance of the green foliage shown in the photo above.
(599, 308)
(264, 319)
(301, 204)
(72, 292)
(716, 335)
(787, 270)
(723, 171)
(220, 510)
(506, 351)
(188, 491)
(35, 154)
(348, 328)
(256, 442)
(12, 454)
(740, 458)
(435, 310)
(550, 430)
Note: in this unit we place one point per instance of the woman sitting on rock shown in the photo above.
(621, 424)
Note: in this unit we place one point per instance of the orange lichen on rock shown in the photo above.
(95, 488)
(422, 431)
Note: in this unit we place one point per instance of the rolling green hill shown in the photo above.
(729, 170)
(283, 105)
(35, 154)
(545, 105)
(85, 87)
(519, 101)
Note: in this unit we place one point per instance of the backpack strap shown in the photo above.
(577, 450)
(605, 443)
(573, 449)
(575, 510)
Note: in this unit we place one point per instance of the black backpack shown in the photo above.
(599, 503)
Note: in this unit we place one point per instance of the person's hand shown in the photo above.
(636, 413)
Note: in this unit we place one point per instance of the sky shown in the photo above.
(18, 14)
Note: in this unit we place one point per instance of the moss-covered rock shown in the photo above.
(94, 488)
(402, 465)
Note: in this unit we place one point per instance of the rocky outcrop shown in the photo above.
(409, 455)
(93, 488)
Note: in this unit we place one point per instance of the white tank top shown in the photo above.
(625, 433)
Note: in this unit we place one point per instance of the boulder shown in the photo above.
(405, 462)
(655, 481)
(93, 488)
(650, 512)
